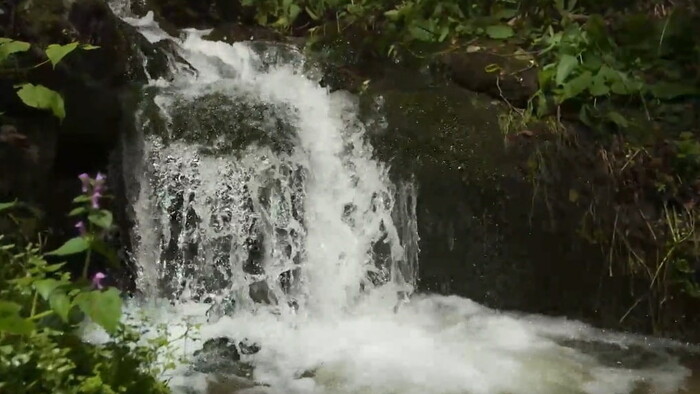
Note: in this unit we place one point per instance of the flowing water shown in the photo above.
(262, 216)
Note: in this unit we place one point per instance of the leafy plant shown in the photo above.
(39, 96)
(41, 308)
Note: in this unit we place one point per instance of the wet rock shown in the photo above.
(199, 14)
(227, 384)
(221, 308)
(235, 32)
(226, 124)
(288, 279)
(260, 292)
(220, 355)
(248, 347)
(483, 69)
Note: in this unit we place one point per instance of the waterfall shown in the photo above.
(258, 184)
(261, 213)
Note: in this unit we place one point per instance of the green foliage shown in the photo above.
(8, 47)
(39, 96)
(42, 308)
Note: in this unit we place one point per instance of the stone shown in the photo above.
(260, 292)
(248, 347)
(484, 234)
(493, 70)
(220, 308)
(200, 14)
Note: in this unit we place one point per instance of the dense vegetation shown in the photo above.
(42, 311)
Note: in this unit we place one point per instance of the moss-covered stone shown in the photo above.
(495, 68)
(222, 124)
(488, 229)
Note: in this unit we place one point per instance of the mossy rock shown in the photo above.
(222, 124)
(498, 69)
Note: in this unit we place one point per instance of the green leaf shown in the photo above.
(261, 18)
(506, 13)
(77, 211)
(670, 90)
(577, 85)
(618, 119)
(444, 32)
(620, 87)
(599, 87)
(72, 246)
(41, 97)
(392, 14)
(46, 286)
(420, 30)
(88, 47)
(500, 32)
(311, 14)
(54, 267)
(7, 205)
(56, 52)
(566, 65)
(103, 308)
(101, 218)
(545, 76)
(294, 11)
(81, 198)
(61, 304)
(10, 320)
(492, 68)
(8, 47)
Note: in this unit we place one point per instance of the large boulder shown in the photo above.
(486, 231)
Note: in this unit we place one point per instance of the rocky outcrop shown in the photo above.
(486, 230)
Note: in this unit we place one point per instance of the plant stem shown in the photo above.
(87, 263)
(41, 315)
(34, 301)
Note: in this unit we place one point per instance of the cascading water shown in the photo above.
(260, 182)
(261, 214)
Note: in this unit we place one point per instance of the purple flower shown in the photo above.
(85, 179)
(96, 200)
(100, 181)
(97, 280)
(81, 227)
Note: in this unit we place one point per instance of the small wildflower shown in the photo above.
(100, 181)
(81, 227)
(85, 179)
(97, 280)
(96, 200)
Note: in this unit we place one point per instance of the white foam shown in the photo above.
(433, 344)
